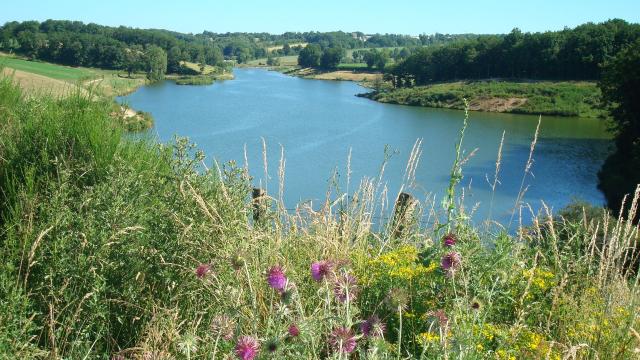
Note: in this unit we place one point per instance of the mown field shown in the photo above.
(114, 248)
(535, 97)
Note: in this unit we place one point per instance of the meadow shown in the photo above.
(115, 248)
(56, 79)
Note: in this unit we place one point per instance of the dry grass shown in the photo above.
(278, 47)
(35, 84)
(208, 69)
(337, 75)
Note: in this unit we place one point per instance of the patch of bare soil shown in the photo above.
(494, 104)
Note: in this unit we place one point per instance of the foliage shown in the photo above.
(620, 84)
(310, 56)
(121, 248)
(156, 63)
(568, 54)
(331, 57)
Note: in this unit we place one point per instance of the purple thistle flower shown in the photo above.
(293, 331)
(450, 262)
(449, 240)
(276, 278)
(373, 327)
(321, 269)
(345, 287)
(202, 270)
(247, 348)
(342, 340)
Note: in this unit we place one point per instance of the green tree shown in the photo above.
(156, 63)
(331, 57)
(620, 85)
(133, 59)
(202, 62)
(310, 56)
(174, 57)
(273, 61)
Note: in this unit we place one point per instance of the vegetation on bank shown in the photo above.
(140, 251)
(533, 97)
(570, 54)
(620, 86)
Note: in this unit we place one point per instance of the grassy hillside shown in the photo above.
(540, 97)
(58, 80)
(53, 71)
(117, 249)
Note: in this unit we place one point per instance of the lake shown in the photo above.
(318, 123)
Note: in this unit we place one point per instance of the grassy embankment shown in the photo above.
(119, 249)
(40, 78)
(563, 98)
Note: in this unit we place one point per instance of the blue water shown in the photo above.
(319, 122)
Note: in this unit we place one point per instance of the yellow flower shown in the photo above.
(534, 341)
(428, 337)
(479, 348)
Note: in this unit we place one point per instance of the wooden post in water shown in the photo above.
(259, 208)
(405, 206)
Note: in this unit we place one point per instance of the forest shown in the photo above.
(570, 54)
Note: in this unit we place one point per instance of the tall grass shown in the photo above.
(119, 249)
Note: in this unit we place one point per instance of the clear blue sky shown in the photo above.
(277, 16)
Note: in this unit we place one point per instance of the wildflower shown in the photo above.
(202, 270)
(247, 348)
(342, 340)
(449, 240)
(223, 326)
(428, 337)
(450, 262)
(345, 287)
(373, 327)
(397, 299)
(321, 269)
(476, 304)
(441, 317)
(276, 278)
(272, 346)
(293, 331)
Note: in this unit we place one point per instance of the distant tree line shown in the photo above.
(77, 44)
(568, 54)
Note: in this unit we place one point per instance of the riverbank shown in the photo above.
(38, 78)
(345, 72)
(562, 98)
